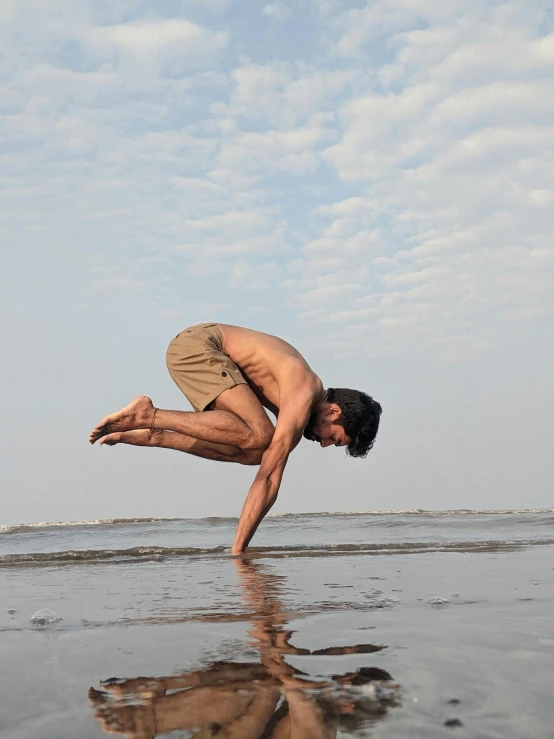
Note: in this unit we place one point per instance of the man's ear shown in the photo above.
(333, 411)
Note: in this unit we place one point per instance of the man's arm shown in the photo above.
(292, 420)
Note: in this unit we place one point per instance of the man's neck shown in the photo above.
(320, 399)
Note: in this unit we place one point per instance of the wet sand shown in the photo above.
(404, 645)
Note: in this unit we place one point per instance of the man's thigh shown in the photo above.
(241, 401)
(200, 367)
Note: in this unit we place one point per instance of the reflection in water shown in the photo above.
(265, 700)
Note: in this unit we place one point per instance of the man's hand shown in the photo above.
(263, 493)
(293, 417)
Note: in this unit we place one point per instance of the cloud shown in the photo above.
(277, 10)
(394, 170)
(254, 276)
(284, 94)
(147, 40)
(383, 18)
(294, 150)
(450, 153)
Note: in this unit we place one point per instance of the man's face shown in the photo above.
(322, 429)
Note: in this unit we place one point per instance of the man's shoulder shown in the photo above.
(303, 386)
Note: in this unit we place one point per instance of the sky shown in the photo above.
(372, 181)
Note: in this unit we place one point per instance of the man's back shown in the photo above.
(273, 368)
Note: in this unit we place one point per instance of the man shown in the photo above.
(229, 374)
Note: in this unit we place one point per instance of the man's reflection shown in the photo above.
(266, 700)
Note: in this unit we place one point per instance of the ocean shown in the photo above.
(386, 623)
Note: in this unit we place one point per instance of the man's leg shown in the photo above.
(238, 420)
(182, 443)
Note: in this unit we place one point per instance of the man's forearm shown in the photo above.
(260, 498)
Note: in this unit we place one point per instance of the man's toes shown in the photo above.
(110, 439)
(96, 433)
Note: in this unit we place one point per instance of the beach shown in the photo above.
(406, 624)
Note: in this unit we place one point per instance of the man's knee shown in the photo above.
(252, 456)
(259, 439)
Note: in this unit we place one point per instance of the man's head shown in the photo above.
(345, 418)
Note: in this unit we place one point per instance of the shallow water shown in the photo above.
(316, 532)
(373, 633)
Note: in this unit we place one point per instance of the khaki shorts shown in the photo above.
(200, 366)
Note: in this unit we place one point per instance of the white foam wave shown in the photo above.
(418, 512)
(22, 527)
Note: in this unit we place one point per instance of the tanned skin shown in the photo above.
(236, 427)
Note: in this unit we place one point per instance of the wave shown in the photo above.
(103, 555)
(21, 528)
(156, 553)
(418, 512)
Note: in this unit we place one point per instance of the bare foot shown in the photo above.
(137, 415)
(137, 437)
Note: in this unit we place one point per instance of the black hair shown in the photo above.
(359, 417)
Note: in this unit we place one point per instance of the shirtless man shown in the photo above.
(228, 375)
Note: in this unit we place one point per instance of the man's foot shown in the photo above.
(137, 437)
(137, 415)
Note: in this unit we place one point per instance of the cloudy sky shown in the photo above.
(372, 181)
